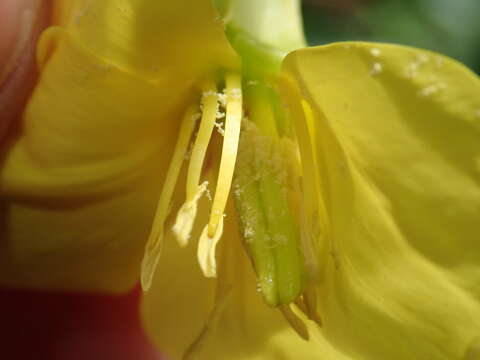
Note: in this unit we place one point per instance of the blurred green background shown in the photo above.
(451, 27)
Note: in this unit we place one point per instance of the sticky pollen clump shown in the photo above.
(375, 52)
(377, 68)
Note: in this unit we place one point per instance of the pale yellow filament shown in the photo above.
(155, 240)
(213, 231)
(194, 189)
(187, 213)
(233, 121)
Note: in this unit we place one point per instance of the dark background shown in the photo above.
(451, 27)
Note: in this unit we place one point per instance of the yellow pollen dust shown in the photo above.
(194, 187)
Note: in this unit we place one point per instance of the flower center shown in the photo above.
(267, 192)
(232, 101)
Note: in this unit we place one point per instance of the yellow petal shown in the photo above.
(395, 134)
(180, 304)
(154, 38)
(97, 133)
(180, 297)
(80, 244)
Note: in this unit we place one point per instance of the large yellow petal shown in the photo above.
(154, 38)
(181, 302)
(76, 181)
(395, 146)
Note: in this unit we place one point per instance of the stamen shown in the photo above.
(186, 216)
(229, 151)
(312, 182)
(310, 301)
(295, 322)
(213, 231)
(206, 250)
(188, 211)
(155, 241)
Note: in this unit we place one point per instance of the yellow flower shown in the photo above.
(357, 190)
